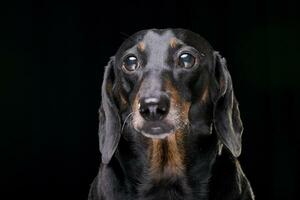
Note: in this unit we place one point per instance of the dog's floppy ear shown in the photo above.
(227, 121)
(109, 120)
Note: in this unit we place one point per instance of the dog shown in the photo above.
(170, 125)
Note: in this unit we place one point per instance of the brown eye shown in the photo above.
(186, 60)
(130, 63)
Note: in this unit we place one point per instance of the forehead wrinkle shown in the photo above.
(157, 46)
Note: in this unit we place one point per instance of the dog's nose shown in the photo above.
(154, 108)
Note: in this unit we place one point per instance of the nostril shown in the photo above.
(149, 112)
(146, 115)
(161, 112)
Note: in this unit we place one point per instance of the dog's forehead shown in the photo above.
(157, 45)
(154, 40)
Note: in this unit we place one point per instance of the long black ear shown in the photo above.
(109, 120)
(227, 121)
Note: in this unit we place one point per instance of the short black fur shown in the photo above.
(210, 144)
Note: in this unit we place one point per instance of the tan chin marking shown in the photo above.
(175, 164)
(167, 157)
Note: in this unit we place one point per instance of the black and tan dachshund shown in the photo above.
(170, 125)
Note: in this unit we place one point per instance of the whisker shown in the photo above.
(129, 115)
(188, 125)
(126, 36)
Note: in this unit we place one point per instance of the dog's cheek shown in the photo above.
(199, 117)
(121, 100)
(185, 109)
(136, 117)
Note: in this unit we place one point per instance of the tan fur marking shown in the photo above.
(174, 164)
(156, 155)
(141, 46)
(123, 102)
(167, 161)
(135, 108)
(173, 42)
(166, 156)
(174, 96)
(185, 108)
(222, 86)
(204, 96)
(135, 104)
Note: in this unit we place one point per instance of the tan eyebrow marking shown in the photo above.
(141, 46)
(173, 42)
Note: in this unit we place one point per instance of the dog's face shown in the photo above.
(162, 82)
(162, 75)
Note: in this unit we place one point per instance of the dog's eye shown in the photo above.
(186, 60)
(130, 63)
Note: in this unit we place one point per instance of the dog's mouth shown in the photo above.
(156, 129)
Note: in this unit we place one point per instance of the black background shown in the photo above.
(52, 58)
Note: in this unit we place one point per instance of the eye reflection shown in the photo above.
(186, 60)
(130, 63)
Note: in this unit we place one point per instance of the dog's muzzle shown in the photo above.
(154, 110)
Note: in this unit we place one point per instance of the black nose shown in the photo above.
(154, 108)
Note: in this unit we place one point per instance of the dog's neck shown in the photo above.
(166, 157)
(166, 167)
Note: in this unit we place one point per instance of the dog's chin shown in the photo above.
(156, 130)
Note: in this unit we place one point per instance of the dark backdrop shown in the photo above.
(52, 58)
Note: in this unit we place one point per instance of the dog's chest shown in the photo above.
(166, 177)
(166, 158)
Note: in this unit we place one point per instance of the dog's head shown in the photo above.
(164, 81)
